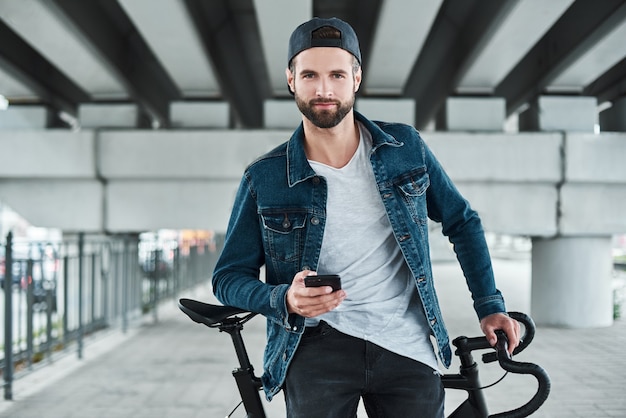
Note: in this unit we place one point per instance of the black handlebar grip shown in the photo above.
(529, 335)
(543, 389)
(504, 358)
(529, 330)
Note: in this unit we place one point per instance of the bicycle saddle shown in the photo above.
(207, 314)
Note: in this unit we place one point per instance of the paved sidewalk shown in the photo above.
(176, 368)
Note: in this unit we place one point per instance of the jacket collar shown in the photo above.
(298, 168)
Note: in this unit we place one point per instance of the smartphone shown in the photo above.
(332, 280)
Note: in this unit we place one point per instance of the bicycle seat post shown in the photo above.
(234, 330)
(226, 320)
(247, 383)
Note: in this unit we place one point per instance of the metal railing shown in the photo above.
(55, 294)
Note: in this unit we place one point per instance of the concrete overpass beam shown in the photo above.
(392, 110)
(25, 117)
(145, 204)
(210, 115)
(571, 272)
(281, 114)
(484, 114)
(71, 205)
(510, 179)
(100, 115)
(473, 114)
(560, 113)
(179, 179)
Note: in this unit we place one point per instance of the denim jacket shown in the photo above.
(278, 221)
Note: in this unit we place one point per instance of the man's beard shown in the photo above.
(324, 118)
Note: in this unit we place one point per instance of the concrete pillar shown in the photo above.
(571, 274)
(571, 282)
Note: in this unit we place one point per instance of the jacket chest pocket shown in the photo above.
(284, 232)
(412, 189)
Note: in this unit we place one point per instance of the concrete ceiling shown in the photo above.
(63, 53)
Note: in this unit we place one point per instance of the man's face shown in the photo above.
(324, 84)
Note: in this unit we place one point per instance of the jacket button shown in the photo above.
(285, 356)
(315, 220)
(306, 267)
(316, 180)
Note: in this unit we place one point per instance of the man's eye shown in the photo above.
(308, 75)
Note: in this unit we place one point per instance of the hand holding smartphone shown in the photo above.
(332, 280)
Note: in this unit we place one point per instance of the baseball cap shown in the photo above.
(302, 38)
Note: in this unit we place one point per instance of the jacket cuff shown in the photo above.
(278, 302)
(489, 305)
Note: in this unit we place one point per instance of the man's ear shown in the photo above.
(357, 80)
(290, 78)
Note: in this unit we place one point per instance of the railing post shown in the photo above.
(155, 284)
(206, 261)
(8, 319)
(30, 311)
(81, 245)
(66, 281)
(105, 262)
(118, 280)
(176, 273)
(92, 320)
(49, 306)
(125, 283)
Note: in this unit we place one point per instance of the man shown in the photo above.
(349, 196)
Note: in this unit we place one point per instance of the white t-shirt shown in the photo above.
(382, 304)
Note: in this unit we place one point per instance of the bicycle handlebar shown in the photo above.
(466, 345)
(529, 335)
(510, 365)
(540, 396)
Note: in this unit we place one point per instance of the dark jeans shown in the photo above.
(331, 371)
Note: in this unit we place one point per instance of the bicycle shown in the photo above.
(227, 319)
